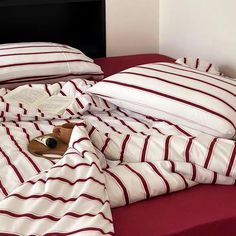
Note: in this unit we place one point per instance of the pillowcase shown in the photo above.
(199, 64)
(43, 62)
(176, 93)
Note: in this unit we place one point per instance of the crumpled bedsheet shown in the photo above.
(115, 157)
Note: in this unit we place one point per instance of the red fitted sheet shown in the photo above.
(199, 211)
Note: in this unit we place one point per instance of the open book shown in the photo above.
(38, 98)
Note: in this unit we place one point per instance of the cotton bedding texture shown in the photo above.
(115, 157)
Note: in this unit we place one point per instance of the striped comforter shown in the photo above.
(115, 157)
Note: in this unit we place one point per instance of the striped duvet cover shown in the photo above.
(115, 157)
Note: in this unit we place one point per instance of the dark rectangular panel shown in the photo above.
(78, 23)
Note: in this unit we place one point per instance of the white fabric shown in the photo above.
(199, 64)
(43, 62)
(173, 92)
(115, 157)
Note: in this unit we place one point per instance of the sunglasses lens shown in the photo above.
(51, 142)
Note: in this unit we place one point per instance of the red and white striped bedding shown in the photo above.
(115, 157)
(177, 93)
(43, 62)
(199, 64)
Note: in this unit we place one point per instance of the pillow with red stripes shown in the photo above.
(199, 64)
(173, 92)
(43, 62)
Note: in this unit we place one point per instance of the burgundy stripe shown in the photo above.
(94, 103)
(70, 111)
(181, 85)
(232, 159)
(121, 185)
(144, 183)
(86, 151)
(105, 145)
(80, 104)
(79, 141)
(4, 191)
(187, 150)
(18, 117)
(50, 217)
(7, 107)
(123, 147)
(47, 90)
(59, 179)
(157, 130)
(144, 150)
(91, 131)
(42, 63)
(50, 122)
(78, 165)
(79, 231)
(24, 110)
(76, 87)
(60, 85)
(209, 67)
(38, 53)
(194, 169)
(143, 133)
(211, 148)
(41, 113)
(197, 63)
(159, 173)
(123, 123)
(35, 46)
(167, 143)
(214, 178)
(174, 171)
(170, 97)
(106, 104)
(182, 131)
(62, 93)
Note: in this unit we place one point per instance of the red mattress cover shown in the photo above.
(199, 211)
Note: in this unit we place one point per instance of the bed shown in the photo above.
(46, 197)
(201, 210)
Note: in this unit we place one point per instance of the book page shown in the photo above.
(55, 104)
(28, 96)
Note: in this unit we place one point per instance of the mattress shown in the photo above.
(202, 210)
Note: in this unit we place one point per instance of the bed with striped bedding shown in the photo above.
(115, 157)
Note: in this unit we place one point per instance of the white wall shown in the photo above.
(199, 28)
(131, 27)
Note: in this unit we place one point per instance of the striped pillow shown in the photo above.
(43, 62)
(176, 93)
(199, 64)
